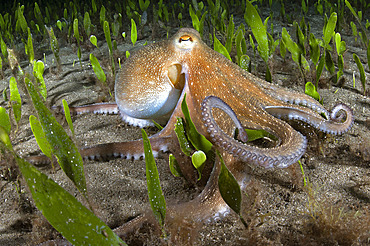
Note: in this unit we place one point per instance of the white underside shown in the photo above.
(136, 122)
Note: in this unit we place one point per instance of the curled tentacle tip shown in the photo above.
(338, 111)
(243, 135)
(342, 115)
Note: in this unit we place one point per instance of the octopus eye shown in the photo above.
(185, 38)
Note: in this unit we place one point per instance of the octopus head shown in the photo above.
(185, 40)
(151, 81)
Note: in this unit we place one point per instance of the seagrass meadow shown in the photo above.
(58, 55)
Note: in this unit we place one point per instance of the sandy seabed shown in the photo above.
(276, 204)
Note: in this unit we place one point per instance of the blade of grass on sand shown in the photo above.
(61, 144)
(156, 198)
(64, 212)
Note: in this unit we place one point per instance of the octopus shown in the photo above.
(221, 98)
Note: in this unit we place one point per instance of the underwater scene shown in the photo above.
(185, 122)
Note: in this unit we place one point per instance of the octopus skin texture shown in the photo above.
(221, 97)
(152, 83)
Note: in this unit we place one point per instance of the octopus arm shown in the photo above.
(206, 206)
(291, 147)
(340, 121)
(216, 102)
(98, 108)
(292, 97)
(128, 149)
(135, 149)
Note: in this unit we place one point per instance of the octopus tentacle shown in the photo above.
(216, 102)
(38, 160)
(281, 156)
(98, 108)
(135, 121)
(292, 97)
(129, 149)
(208, 204)
(126, 150)
(109, 108)
(333, 125)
